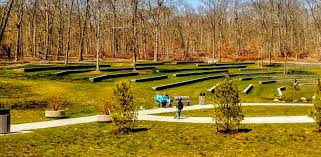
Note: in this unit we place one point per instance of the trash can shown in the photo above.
(202, 99)
(4, 121)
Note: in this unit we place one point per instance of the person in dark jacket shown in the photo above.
(180, 106)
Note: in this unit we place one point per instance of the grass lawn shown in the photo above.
(27, 92)
(253, 111)
(165, 139)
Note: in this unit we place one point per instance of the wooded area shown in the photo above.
(159, 29)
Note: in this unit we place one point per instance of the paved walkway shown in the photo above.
(247, 120)
(148, 116)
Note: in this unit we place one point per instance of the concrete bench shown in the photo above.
(248, 89)
(280, 90)
(150, 78)
(211, 90)
(246, 78)
(184, 99)
(268, 82)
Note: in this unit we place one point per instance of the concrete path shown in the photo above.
(147, 116)
(199, 107)
(247, 120)
(52, 123)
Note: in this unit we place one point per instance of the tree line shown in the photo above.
(159, 29)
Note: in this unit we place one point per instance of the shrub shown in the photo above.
(56, 103)
(123, 110)
(315, 113)
(227, 110)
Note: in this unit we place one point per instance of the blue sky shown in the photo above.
(194, 3)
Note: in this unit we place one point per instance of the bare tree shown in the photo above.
(155, 13)
(5, 18)
(19, 15)
(70, 5)
(134, 27)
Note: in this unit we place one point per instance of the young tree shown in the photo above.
(123, 110)
(315, 113)
(227, 113)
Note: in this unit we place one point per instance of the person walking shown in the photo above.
(180, 106)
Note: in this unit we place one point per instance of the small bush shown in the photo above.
(227, 114)
(315, 113)
(123, 110)
(56, 103)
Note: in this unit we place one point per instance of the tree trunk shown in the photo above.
(71, 3)
(98, 35)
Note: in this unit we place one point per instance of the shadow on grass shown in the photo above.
(245, 130)
(134, 130)
(129, 130)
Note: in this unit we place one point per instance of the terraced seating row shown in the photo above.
(126, 68)
(254, 73)
(188, 62)
(103, 77)
(63, 73)
(186, 82)
(34, 69)
(199, 73)
(148, 64)
(67, 72)
(204, 68)
(252, 69)
(204, 79)
(151, 78)
(220, 64)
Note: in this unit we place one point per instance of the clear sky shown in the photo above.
(194, 3)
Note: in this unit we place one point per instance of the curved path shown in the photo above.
(147, 115)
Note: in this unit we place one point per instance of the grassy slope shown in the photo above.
(253, 111)
(86, 97)
(165, 139)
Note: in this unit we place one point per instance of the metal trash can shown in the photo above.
(4, 121)
(202, 100)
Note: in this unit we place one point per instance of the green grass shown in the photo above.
(253, 111)
(30, 89)
(165, 139)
